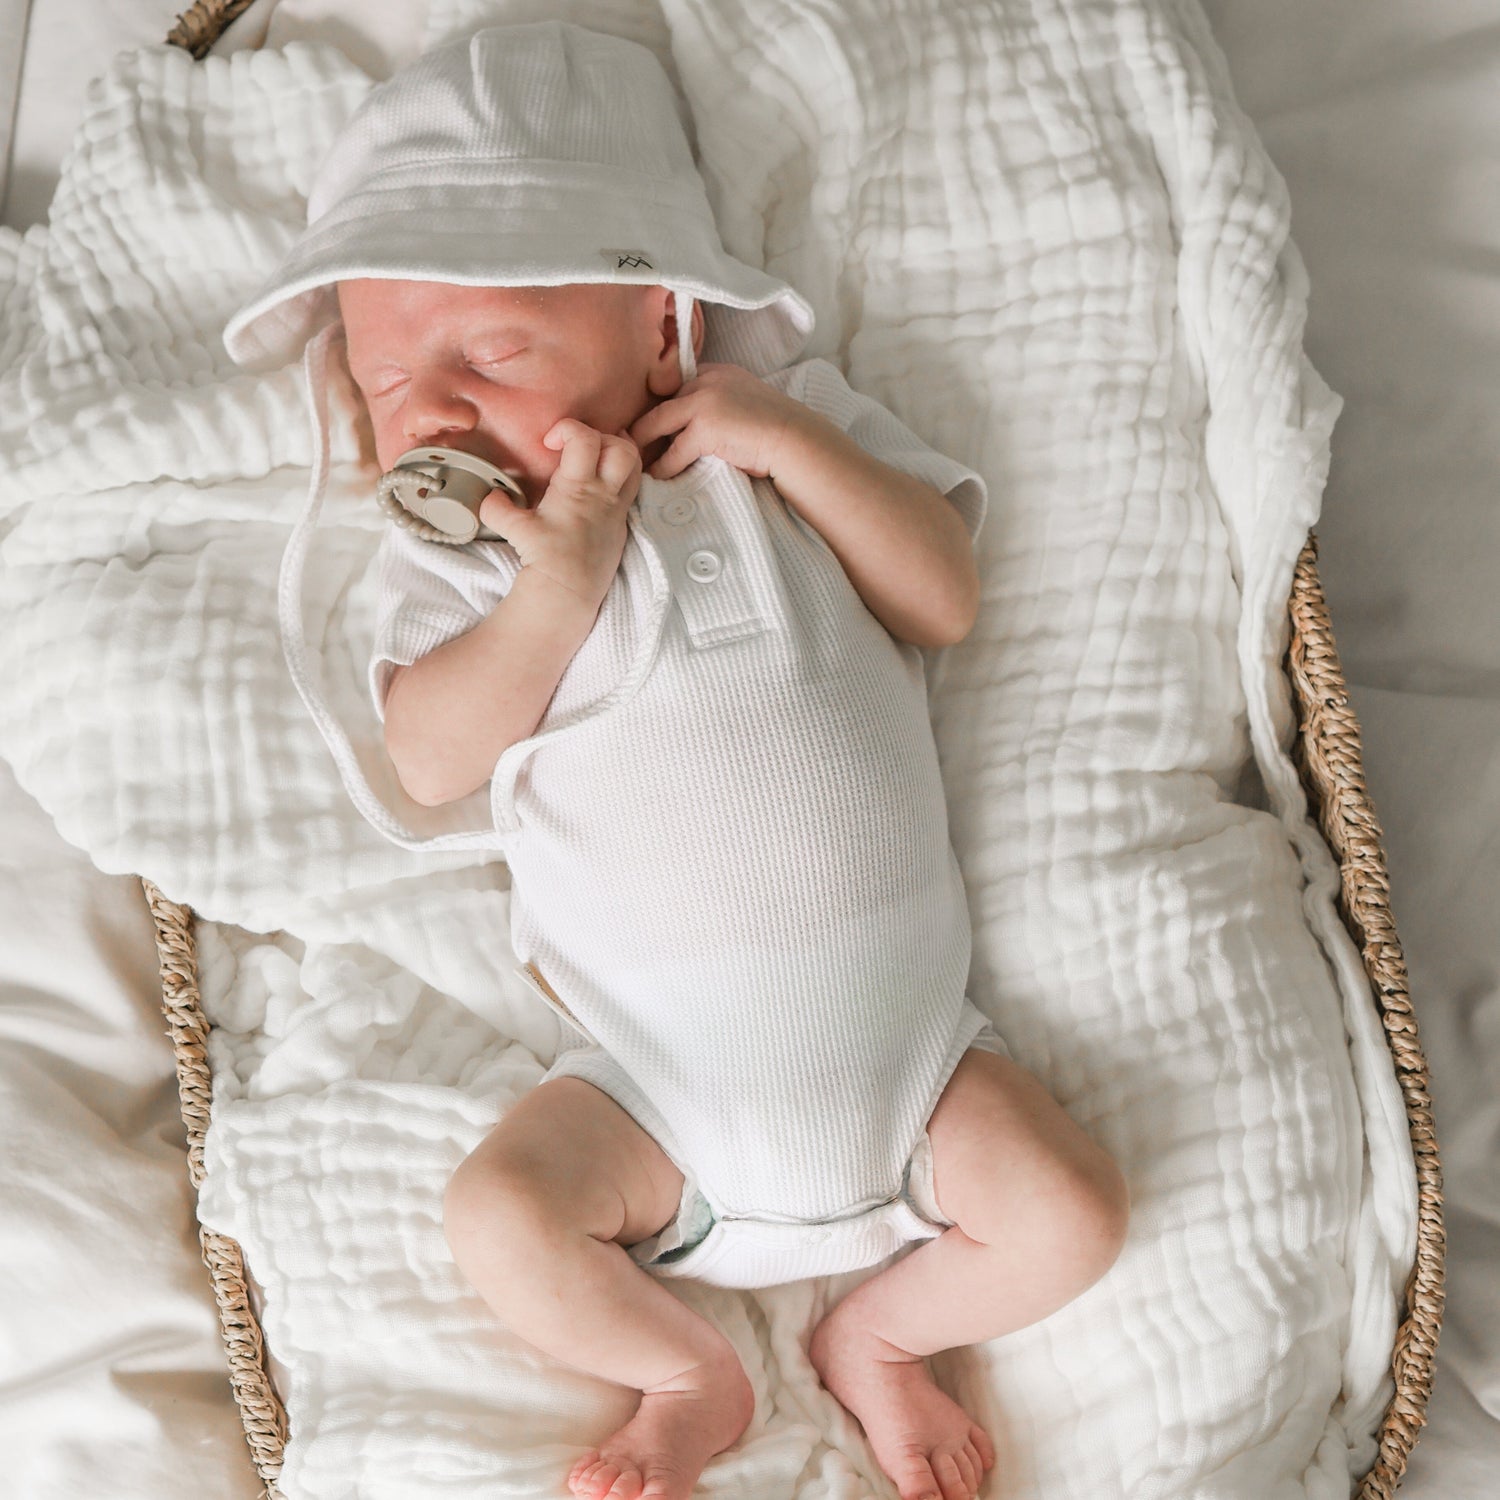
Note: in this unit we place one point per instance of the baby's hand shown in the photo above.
(576, 533)
(728, 412)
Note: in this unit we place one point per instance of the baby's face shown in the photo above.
(489, 370)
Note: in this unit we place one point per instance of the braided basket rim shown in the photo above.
(1327, 754)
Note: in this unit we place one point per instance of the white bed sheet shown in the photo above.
(67, 43)
(14, 15)
(113, 1377)
(112, 1374)
(1380, 117)
(113, 1380)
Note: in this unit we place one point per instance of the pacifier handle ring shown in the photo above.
(397, 511)
(428, 470)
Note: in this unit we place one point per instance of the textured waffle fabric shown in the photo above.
(737, 874)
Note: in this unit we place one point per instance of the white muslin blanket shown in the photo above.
(1047, 239)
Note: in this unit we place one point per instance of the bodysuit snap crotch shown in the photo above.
(705, 1244)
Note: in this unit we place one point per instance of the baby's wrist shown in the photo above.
(568, 604)
(811, 442)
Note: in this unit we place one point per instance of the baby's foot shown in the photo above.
(660, 1452)
(922, 1438)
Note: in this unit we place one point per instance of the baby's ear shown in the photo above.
(664, 306)
(664, 376)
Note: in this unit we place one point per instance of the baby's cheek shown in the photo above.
(389, 445)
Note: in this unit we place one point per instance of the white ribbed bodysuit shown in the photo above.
(729, 851)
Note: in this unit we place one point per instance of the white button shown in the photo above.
(679, 511)
(704, 566)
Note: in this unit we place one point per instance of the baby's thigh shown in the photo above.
(1003, 1147)
(567, 1154)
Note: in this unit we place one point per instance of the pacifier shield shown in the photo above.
(436, 492)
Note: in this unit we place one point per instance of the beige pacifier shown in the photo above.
(435, 493)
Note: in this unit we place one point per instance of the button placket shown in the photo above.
(710, 584)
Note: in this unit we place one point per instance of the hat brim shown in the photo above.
(509, 240)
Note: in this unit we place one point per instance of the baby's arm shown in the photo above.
(902, 543)
(451, 713)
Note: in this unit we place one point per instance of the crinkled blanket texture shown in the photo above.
(1046, 238)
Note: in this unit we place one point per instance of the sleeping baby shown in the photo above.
(683, 673)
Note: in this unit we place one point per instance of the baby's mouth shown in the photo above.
(512, 470)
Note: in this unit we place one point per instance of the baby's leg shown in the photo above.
(538, 1218)
(1039, 1215)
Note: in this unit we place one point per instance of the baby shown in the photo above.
(577, 389)
(690, 683)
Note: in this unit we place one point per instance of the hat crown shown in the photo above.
(507, 96)
(539, 154)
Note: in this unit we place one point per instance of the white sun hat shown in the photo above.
(527, 155)
(530, 155)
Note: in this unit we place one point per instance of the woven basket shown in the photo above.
(1327, 756)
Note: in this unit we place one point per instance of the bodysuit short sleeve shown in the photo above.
(430, 593)
(821, 385)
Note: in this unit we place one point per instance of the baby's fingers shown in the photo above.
(580, 448)
(498, 511)
(620, 466)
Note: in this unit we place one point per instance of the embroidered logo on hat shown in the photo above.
(631, 260)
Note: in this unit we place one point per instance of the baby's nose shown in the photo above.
(432, 411)
(435, 435)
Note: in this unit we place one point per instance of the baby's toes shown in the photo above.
(628, 1486)
(976, 1464)
(980, 1446)
(968, 1470)
(591, 1479)
(950, 1475)
(920, 1480)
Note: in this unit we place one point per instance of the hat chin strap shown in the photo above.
(682, 307)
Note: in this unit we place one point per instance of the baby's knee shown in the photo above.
(1094, 1215)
